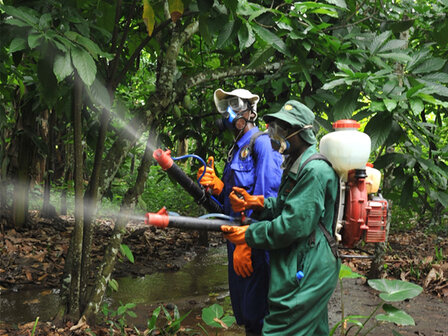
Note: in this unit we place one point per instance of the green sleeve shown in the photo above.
(303, 208)
(269, 209)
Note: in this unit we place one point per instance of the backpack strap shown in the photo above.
(251, 145)
(330, 237)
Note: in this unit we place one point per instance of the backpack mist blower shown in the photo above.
(363, 212)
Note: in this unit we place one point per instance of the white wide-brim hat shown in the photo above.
(220, 94)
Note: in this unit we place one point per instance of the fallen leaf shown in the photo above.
(432, 275)
(221, 323)
(428, 260)
(47, 292)
(403, 276)
(42, 277)
(82, 324)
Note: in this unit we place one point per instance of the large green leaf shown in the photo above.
(436, 77)
(430, 65)
(378, 41)
(399, 57)
(395, 290)
(271, 39)
(34, 40)
(390, 104)
(246, 36)
(225, 34)
(62, 66)
(378, 128)
(261, 56)
(417, 105)
(212, 312)
(84, 64)
(345, 107)
(99, 95)
(17, 44)
(25, 14)
(334, 83)
(395, 315)
(393, 45)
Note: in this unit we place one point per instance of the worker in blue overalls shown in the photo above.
(252, 164)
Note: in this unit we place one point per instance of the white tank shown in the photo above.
(346, 148)
(373, 179)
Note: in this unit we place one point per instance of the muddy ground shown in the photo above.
(36, 258)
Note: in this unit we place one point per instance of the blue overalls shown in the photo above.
(257, 170)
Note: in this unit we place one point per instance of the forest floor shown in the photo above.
(35, 257)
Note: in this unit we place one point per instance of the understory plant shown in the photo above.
(390, 291)
(214, 317)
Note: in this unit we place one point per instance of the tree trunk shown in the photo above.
(47, 209)
(73, 309)
(129, 201)
(25, 150)
(90, 203)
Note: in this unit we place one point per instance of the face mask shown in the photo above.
(278, 138)
(232, 121)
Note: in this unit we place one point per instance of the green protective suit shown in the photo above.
(289, 230)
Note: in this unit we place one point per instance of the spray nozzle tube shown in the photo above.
(159, 219)
(163, 219)
(163, 158)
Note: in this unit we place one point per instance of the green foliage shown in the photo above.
(126, 251)
(116, 319)
(172, 323)
(161, 191)
(390, 291)
(34, 326)
(214, 317)
(113, 285)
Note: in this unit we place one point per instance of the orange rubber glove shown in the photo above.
(235, 233)
(210, 179)
(241, 200)
(242, 261)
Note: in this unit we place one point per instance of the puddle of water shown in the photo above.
(188, 289)
(207, 273)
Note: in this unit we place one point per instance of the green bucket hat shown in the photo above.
(297, 115)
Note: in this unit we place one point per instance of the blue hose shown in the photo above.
(203, 173)
(217, 215)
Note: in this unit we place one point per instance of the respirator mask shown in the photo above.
(232, 109)
(279, 136)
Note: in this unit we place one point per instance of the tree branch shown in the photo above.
(211, 75)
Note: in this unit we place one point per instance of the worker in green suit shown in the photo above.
(296, 227)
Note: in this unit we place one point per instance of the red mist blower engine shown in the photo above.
(362, 210)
